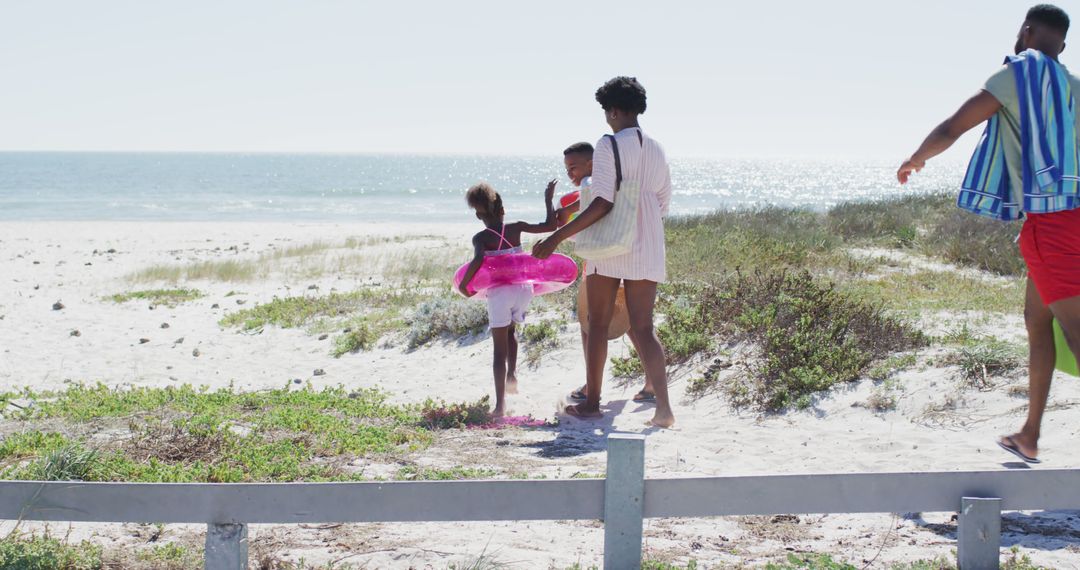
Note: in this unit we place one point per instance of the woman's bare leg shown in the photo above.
(640, 302)
(601, 297)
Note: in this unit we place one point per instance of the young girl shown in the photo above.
(506, 304)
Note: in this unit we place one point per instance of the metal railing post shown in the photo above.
(624, 501)
(978, 533)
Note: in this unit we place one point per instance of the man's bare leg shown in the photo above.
(1041, 355)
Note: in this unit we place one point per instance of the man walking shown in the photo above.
(1026, 166)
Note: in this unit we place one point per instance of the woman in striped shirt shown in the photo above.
(643, 267)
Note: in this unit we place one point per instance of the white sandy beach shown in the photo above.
(46, 262)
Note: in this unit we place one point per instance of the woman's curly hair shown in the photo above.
(622, 93)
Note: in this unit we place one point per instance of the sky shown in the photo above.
(851, 79)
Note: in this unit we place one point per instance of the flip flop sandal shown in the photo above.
(1014, 449)
(573, 411)
(578, 395)
(644, 397)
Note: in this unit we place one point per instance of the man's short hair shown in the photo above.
(1050, 16)
(579, 148)
(622, 93)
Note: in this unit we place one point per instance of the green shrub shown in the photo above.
(628, 367)
(544, 332)
(46, 553)
(440, 415)
(539, 338)
(361, 337)
(71, 462)
(811, 336)
(445, 316)
(982, 361)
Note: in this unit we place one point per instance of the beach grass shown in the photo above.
(299, 311)
(230, 271)
(167, 297)
(926, 290)
(982, 361)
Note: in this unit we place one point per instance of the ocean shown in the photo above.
(388, 188)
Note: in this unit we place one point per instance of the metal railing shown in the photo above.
(623, 500)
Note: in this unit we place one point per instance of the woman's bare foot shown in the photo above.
(498, 412)
(511, 384)
(583, 411)
(663, 418)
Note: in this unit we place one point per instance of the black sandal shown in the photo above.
(578, 395)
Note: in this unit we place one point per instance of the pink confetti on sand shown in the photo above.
(514, 421)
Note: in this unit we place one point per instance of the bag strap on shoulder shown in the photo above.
(618, 163)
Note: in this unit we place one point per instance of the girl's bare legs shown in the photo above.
(640, 302)
(500, 336)
(511, 361)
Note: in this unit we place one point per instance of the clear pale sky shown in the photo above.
(787, 78)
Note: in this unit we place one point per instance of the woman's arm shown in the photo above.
(596, 210)
(603, 188)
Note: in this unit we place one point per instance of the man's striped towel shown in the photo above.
(1051, 175)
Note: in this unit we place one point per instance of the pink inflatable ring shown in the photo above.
(545, 275)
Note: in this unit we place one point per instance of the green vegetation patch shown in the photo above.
(445, 315)
(42, 552)
(292, 312)
(181, 434)
(810, 334)
(167, 297)
(943, 291)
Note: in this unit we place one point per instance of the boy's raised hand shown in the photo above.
(549, 192)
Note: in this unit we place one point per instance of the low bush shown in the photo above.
(440, 415)
(445, 316)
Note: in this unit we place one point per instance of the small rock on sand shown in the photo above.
(164, 325)
(319, 372)
(179, 341)
(324, 336)
(195, 353)
(57, 306)
(76, 333)
(215, 306)
(144, 340)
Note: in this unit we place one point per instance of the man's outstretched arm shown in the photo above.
(974, 111)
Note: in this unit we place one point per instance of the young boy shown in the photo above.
(578, 161)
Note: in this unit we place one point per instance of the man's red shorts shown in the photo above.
(1050, 244)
